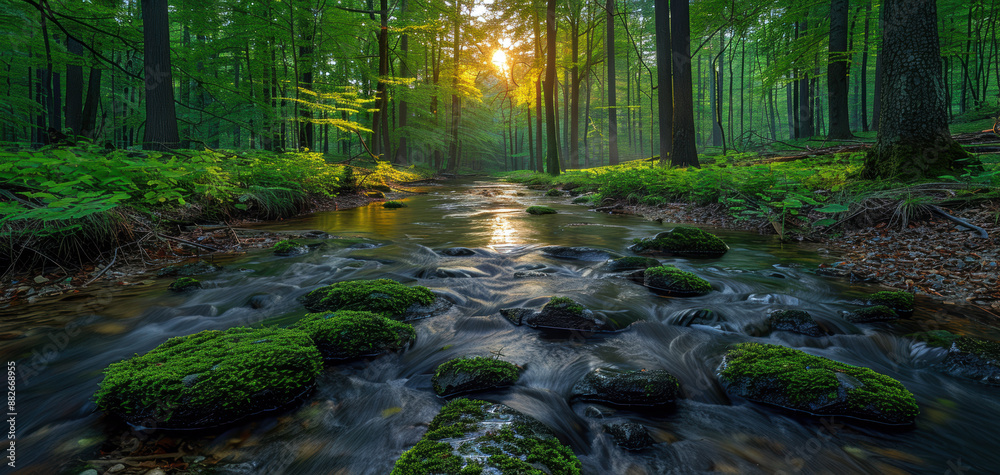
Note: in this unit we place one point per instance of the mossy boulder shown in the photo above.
(796, 380)
(562, 314)
(348, 334)
(584, 199)
(211, 378)
(384, 296)
(554, 192)
(898, 300)
(185, 284)
(287, 248)
(682, 241)
(536, 210)
(470, 437)
(578, 253)
(629, 435)
(628, 388)
(974, 358)
(672, 281)
(477, 373)
(393, 204)
(878, 313)
(796, 321)
(630, 263)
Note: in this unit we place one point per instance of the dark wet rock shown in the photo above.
(795, 380)
(974, 358)
(878, 313)
(628, 388)
(598, 412)
(629, 435)
(479, 437)
(450, 273)
(630, 263)
(528, 274)
(669, 280)
(564, 314)
(898, 300)
(458, 251)
(515, 315)
(211, 378)
(796, 321)
(365, 245)
(187, 270)
(260, 301)
(937, 338)
(185, 284)
(349, 334)
(419, 311)
(288, 248)
(698, 316)
(384, 296)
(478, 373)
(578, 253)
(682, 241)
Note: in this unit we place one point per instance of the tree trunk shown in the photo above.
(665, 94)
(685, 152)
(552, 157)
(74, 88)
(402, 153)
(913, 140)
(161, 118)
(609, 46)
(456, 103)
(864, 69)
(574, 113)
(840, 125)
(716, 93)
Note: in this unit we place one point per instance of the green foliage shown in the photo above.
(487, 373)
(350, 334)
(554, 192)
(383, 296)
(184, 284)
(536, 210)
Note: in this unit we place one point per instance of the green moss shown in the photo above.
(785, 376)
(910, 161)
(383, 296)
(796, 317)
(540, 210)
(673, 279)
(210, 377)
(683, 240)
(429, 457)
(564, 304)
(286, 247)
(984, 349)
(483, 372)
(184, 284)
(582, 199)
(878, 313)
(896, 299)
(939, 338)
(350, 334)
(393, 204)
(554, 192)
(632, 263)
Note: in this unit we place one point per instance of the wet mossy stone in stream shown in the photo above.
(796, 321)
(631, 263)
(974, 358)
(188, 270)
(288, 248)
(383, 296)
(211, 378)
(554, 192)
(629, 435)
(682, 241)
(185, 284)
(628, 388)
(348, 334)
(477, 373)
(393, 204)
(898, 300)
(578, 253)
(562, 314)
(536, 210)
(796, 380)
(938, 338)
(878, 313)
(470, 437)
(672, 281)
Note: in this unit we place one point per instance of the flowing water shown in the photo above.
(363, 415)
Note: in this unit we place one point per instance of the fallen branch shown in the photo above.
(98, 276)
(189, 243)
(960, 221)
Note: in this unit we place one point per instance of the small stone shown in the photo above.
(89, 472)
(39, 279)
(156, 471)
(116, 468)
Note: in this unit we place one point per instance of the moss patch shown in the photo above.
(631, 263)
(210, 378)
(897, 300)
(350, 334)
(564, 304)
(878, 313)
(540, 210)
(938, 338)
(393, 204)
(383, 296)
(554, 192)
(473, 374)
(683, 241)
(185, 284)
(286, 248)
(911, 161)
(796, 380)
(675, 281)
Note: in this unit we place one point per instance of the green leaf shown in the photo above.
(833, 208)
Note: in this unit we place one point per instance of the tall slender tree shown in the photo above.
(840, 122)
(552, 135)
(664, 86)
(609, 45)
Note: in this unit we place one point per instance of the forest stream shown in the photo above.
(363, 415)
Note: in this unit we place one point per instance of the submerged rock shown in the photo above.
(383, 296)
(210, 378)
(630, 263)
(672, 281)
(478, 373)
(974, 358)
(350, 334)
(288, 248)
(628, 388)
(479, 437)
(260, 301)
(565, 314)
(796, 321)
(393, 204)
(458, 251)
(185, 284)
(629, 435)
(515, 315)
(577, 253)
(536, 210)
(878, 313)
(796, 380)
(682, 241)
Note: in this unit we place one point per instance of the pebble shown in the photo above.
(116, 468)
(89, 472)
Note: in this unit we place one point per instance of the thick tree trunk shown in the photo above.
(609, 46)
(685, 152)
(665, 95)
(840, 125)
(552, 156)
(161, 119)
(913, 139)
(88, 123)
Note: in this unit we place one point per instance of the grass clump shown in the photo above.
(672, 279)
(210, 378)
(393, 204)
(350, 334)
(473, 374)
(185, 284)
(383, 296)
(537, 210)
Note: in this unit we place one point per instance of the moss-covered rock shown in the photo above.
(470, 437)
(562, 314)
(974, 358)
(682, 241)
(540, 210)
(185, 284)
(796, 380)
(628, 388)
(287, 248)
(210, 378)
(672, 281)
(938, 338)
(383, 296)
(898, 300)
(478, 373)
(797, 321)
(584, 199)
(554, 192)
(631, 263)
(629, 435)
(188, 270)
(347, 334)
(578, 253)
(393, 204)
(878, 313)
